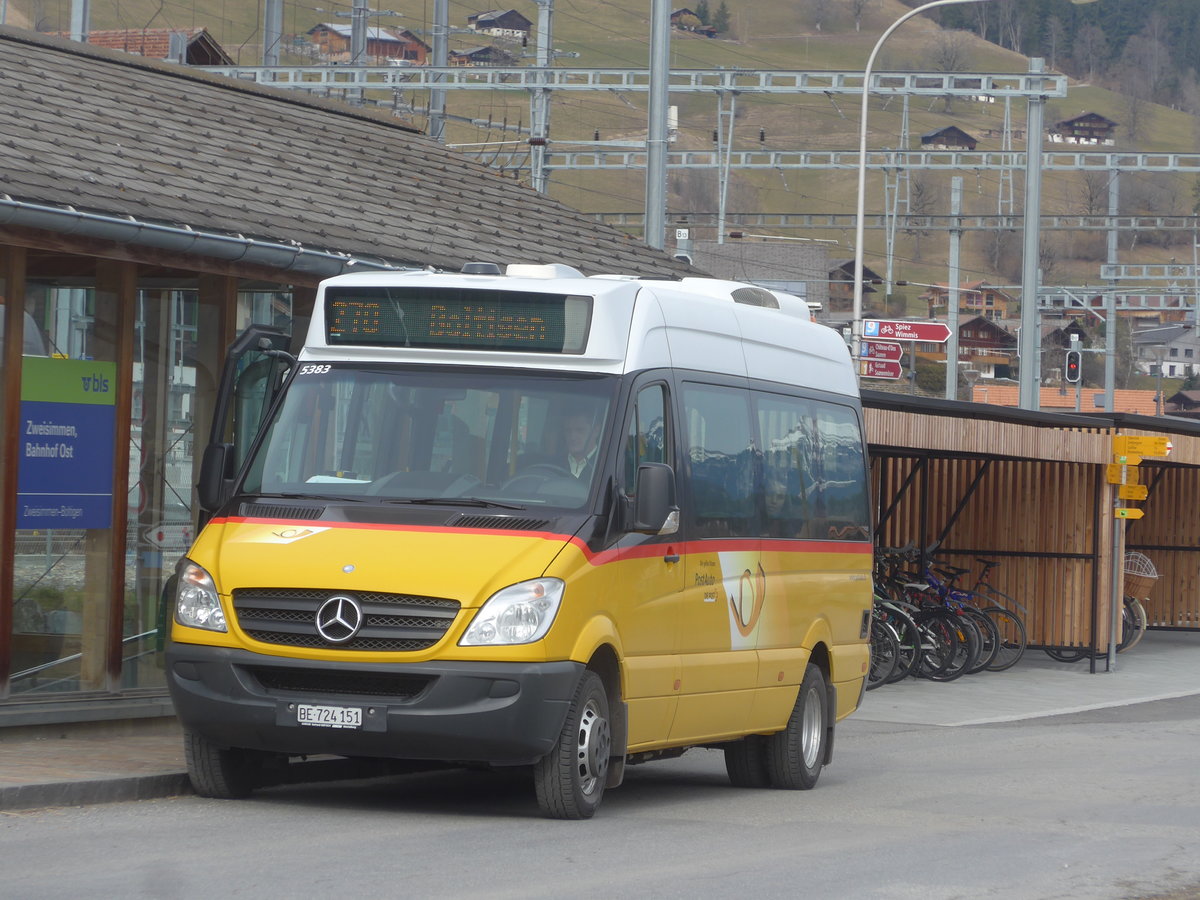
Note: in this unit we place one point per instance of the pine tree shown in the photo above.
(701, 11)
(720, 21)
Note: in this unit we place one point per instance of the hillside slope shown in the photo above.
(780, 34)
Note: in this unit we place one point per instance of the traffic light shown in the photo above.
(1074, 357)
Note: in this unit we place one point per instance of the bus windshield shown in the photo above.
(388, 433)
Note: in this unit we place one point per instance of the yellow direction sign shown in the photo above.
(1132, 492)
(1126, 459)
(1143, 445)
(1115, 473)
(1126, 513)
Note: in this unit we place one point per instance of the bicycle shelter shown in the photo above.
(1030, 490)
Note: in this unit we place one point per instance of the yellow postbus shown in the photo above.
(529, 518)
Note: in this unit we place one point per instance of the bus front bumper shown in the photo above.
(497, 713)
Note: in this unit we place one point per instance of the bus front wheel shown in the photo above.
(796, 754)
(570, 779)
(220, 772)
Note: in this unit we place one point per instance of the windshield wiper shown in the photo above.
(455, 501)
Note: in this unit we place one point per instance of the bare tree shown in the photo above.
(982, 15)
(923, 200)
(820, 12)
(1055, 32)
(1091, 49)
(1012, 21)
(950, 51)
(1093, 193)
(1048, 256)
(857, 9)
(1003, 249)
(1145, 58)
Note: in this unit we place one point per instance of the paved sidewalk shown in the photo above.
(101, 765)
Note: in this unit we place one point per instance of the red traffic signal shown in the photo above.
(1071, 367)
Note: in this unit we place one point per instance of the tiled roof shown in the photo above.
(1137, 402)
(105, 132)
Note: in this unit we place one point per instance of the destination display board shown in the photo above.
(457, 319)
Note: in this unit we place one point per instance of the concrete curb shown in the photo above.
(101, 790)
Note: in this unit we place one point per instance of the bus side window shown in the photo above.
(647, 438)
(723, 458)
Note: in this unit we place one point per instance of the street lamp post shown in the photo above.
(859, 225)
(856, 325)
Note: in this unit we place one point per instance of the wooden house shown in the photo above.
(506, 23)
(841, 285)
(1184, 404)
(482, 56)
(193, 46)
(974, 298)
(383, 44)
(1088, 128)
(949, 138)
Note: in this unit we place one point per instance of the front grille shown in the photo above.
(391, 622)
(310, 682)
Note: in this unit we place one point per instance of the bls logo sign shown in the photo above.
(747, 603)
(95, 384)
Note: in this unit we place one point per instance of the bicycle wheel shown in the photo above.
(939, 642)
(1132, 617)
(908, 635)
(1066, 654)
(989, 638)
(885, 648)
(1012, 638)
(1141, 621)
(966, 650)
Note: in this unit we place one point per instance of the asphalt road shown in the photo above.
(1099, 804)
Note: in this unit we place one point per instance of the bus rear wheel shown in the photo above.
(570, 779)
(796, 755)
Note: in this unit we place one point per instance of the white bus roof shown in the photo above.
(702, 324)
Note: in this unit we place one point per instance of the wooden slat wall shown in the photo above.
(1036, 518)
(1169, 535)
(1043, 509)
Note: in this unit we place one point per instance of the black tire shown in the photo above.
(1066, 654)
(989, 639)
(1141, 622)
(966, 650)
(796, 755)
(224, 773)
(570, 779)
(908, 636)
(885, 651)
(1012, 638)
(746, 762)
(939, 643)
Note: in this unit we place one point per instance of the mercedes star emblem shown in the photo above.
(339, 619)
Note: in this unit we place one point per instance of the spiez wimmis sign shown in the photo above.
(65, 470)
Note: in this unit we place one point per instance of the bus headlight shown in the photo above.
(196, 602)
(518, 614)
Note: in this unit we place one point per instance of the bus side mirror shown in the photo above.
(215, 476)
(654, 509)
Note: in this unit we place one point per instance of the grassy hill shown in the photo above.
(780, 34)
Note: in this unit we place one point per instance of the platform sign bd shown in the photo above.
(65, 468)
(880, 350)
(900, 330)
(1140, 445)
(880, 368)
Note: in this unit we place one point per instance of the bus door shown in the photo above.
(650, 575)
(724, 583)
